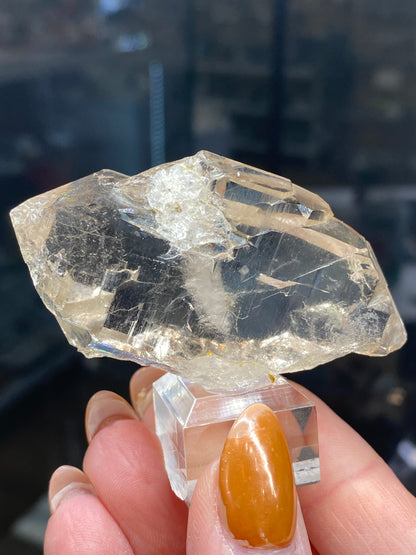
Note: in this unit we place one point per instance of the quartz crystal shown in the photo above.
(226, 274)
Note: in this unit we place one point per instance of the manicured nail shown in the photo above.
(104, 408)
(141, 390)
(65, 481)
(256, 480)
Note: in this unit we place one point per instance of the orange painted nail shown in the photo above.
(256, 480)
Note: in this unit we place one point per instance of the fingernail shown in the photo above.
(141, 390)
(65, 481)
(104, 408)
(256, 480)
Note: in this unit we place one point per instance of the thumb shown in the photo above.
(247, 501)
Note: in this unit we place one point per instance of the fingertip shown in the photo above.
(82, 525)
(256, 479)
(125, 464)
(248, 501)
(66, 481)
(208, 532)
(103, 408)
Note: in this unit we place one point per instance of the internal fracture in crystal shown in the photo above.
(226, 274)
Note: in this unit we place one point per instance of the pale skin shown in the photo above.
(123, 504)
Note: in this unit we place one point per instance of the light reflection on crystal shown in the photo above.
(224, 273)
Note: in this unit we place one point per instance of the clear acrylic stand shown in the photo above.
(192, 425)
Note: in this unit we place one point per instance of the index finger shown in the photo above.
(359, 506)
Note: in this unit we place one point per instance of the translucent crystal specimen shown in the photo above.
(227, 274)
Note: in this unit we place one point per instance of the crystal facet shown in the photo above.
(225, 273)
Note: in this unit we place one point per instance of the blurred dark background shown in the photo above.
(322, 92)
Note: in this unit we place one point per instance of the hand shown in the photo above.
(121, 503)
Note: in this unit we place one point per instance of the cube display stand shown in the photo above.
(192, 425)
